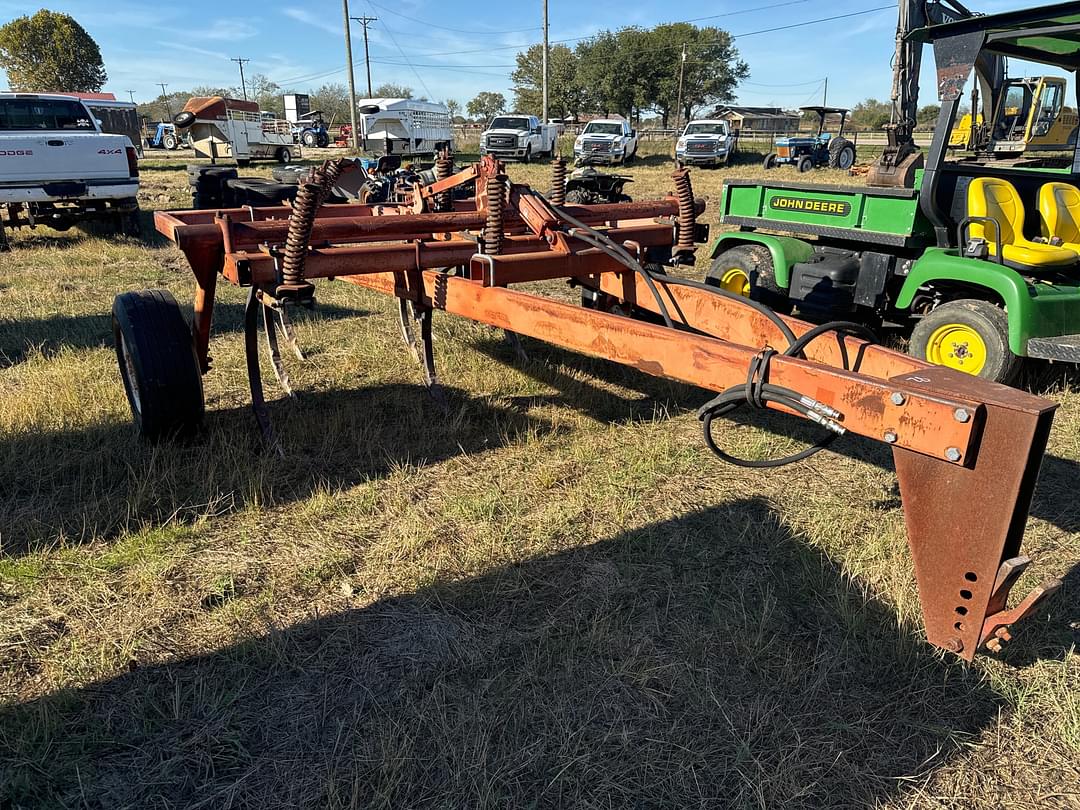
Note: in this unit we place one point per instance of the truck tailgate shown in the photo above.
(62, 157)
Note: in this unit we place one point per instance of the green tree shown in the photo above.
(453, 107)
(390, 90)
(264, 91)
(50, 51)
(333, 100)
(486, 105)
(871, 114)
(927, 115)
(565, 92)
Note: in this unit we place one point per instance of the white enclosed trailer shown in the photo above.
(403, 126)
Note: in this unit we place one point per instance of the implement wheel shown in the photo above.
(158, 365)
(967, 335)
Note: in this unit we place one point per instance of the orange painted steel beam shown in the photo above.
(925, 423)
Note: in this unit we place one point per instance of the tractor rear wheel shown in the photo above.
(968, 335)
(841, 154)
(747, 270)
(158, 365)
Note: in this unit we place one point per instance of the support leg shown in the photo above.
(251, 350)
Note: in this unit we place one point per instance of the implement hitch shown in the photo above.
(967, 451)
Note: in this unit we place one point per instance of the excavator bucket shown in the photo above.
(885, 173)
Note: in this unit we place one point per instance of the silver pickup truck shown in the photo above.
(58, 169)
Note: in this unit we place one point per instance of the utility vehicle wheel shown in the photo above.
(169, 142)
(528, 154)
(841, 154)
(309, 138)
(770, 161)
(967, 335)
(283, 155)
(157, 364)
(577, 196)
(806, 163)
(747, 270)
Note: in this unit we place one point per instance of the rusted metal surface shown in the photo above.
(967, 452)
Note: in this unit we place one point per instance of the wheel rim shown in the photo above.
(957, 346)
(847, 158)
(132, 380)
(735, 280)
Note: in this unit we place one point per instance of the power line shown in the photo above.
(744, 35)
(472, 31)
(405, 56)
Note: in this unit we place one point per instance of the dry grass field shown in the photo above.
(550, 595)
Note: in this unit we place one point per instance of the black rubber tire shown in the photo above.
(289, 175)
(528, 154)
(184, 119)
(170, 142)
(158, 365)
(805, 164)
(990, 322)
(283, 155)
(769, 162)
(841, 154)
(757, 261)
(308, 138)
(243, 163)
(577, 196)
(322, 140)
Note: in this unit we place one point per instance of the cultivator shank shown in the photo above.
(967, 452)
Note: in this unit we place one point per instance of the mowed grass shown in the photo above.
(548, 595)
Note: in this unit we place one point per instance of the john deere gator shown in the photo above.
(977, 258)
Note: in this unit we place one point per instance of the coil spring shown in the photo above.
(493, 228)
(558, 181)
(302, 219)
(444, 167)
(687, 215)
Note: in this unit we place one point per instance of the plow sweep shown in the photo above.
(966, 451)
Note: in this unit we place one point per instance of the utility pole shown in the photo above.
(545, 81)
(678, 104)
(825, 95)
(131, 95)
(243, 87)
(352, 80)
(366, 21)
(165, 98)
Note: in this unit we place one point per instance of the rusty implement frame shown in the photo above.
(967, 452)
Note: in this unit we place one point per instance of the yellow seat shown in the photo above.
(1059, 212)
(999, 201)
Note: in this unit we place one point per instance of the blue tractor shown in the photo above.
(311, 130)
(807, 152)
(166, 137)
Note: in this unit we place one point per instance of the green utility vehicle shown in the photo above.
(979, 259)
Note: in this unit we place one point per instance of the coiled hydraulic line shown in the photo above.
(757, 391)
(306, 205)
(684, 192)
(493, 227)
(558, 181)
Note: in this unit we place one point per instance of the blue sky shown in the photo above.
(300, 44)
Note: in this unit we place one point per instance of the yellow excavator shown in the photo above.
(1031, 116)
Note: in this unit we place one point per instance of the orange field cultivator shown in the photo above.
(967, 452)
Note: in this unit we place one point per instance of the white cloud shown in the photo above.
(315, 20)
(180, 46)
(229, 30)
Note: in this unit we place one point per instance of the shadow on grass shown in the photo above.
(97, 482)
(711, 660)
(94, 331)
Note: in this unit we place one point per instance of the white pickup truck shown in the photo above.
(705, 142)
(606, 140)
(58, 169)
(517, 136)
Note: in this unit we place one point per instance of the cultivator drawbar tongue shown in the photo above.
(967, 452)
